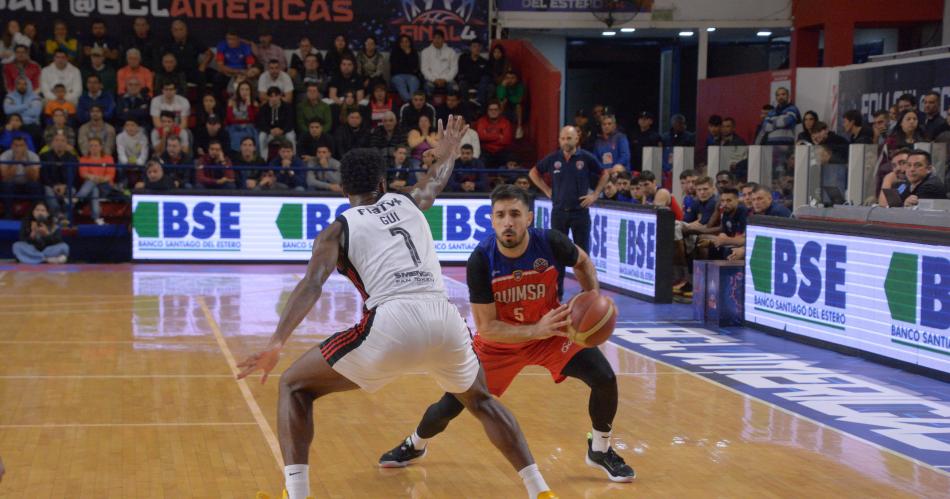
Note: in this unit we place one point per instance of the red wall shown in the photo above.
(740, 96)
(543, 88)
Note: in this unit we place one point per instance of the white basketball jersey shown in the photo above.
(389, 251)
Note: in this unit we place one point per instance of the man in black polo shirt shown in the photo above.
(762, 204)
(573, 171)
(921, 181)
(643, 136)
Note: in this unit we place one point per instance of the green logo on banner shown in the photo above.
(436, 222)
(760, 263)
(145, 219)
(900, 287)
(290, 221)
(622, 239)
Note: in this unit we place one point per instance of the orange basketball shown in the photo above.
(593, 317)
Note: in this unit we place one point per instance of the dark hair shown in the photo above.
(370, 37)
(624, 175)
(273, 61)
(935, 94)
(729, 190)
(731, 176)
(909, 98)
(167, 114)
(21, 46)
(412, 46)
(59, 85)
(18, 138)
(715, 120)
(687, 173)
(751, 185)
(274, 91)
(819, 126)
(243, 140)
(467, 147)
(505, 192)
(729, 119)
(315, 120)
(285, 144)
(361, 170)
(91, 76)
(881, 112)
(419, 92)
(646, 176)
(438, 32)
(768, 107)
(215, 142)
(854, 116)
(762, 188)
(925, 154)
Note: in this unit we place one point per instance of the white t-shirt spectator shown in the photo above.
(31, 160)
(69, 76)
(132, 150)
(439, 64)
(283, 82)
(179, 105)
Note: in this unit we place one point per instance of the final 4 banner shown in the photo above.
(876, 88)
(287, 20)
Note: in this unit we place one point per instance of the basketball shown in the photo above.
(593, 317)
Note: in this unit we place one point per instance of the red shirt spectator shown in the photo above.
(21, 65)
(495, 132)
(214, 170)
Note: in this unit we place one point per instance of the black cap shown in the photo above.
(646, 114)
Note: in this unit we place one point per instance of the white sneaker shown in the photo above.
(57, 259)
(100, 221)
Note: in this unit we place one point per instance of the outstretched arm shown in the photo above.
(326, 251)
(435, 180)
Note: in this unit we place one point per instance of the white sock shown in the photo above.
(418, 442)
(297, 480)
(533, 481)
(600, 441)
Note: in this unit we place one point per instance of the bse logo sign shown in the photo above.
(598, 241)
(917, 288)
(637, 248)
(299, 224)
(173, 225)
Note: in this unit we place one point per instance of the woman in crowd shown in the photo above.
(379, 103)
(906, 133)
(241, 116)
(404, 66)
(371, 64)
(98, 175)
(423, 137)
(808, 121)
(209, 106)
(40, 238)
(336, 54)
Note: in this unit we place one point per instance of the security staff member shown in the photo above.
(574, 171)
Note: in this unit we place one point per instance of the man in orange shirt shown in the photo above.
(134, 68)
(98, 175)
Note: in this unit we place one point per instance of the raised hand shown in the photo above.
(450, 138)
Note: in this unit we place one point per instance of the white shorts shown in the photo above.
(402, 336)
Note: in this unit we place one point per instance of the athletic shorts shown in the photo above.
(402, 336)
(503, 361)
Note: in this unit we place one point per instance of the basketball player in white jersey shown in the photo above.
(384, 246)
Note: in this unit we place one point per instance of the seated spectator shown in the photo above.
(209, 107)
(778, 127)
(275, 77)
(879, 127)
(339, 51)
(132, 145)
(37, 51)
(351, 134)
(523, 182)
(611, 192)
(658, 196)
(178, 164)
(40, 239)
(399, 176)
(893, 175)
(291, 170)
(763, 204)
(732, 225)
(678, 136)
(214, 169)
(510, 93)
(247, 163)
(166, 129)
(313, 138)
(422, 137)
(345, 80)
(135, 68)
(266, 50)
(98, 177)
(95, 95)
(241, 116)
(311, 72)
(687, 186)
(14, 130)
(404, 67)
(922, 182)
(725, 179)
(380, 103)
(410, 112)
(59, 102)
(57, 173)
(193, 57)
(371, 64)
(233, 57)
(808, 122)
(275, 120)
(468, 181)
(699, 213)
(474, 73)
(63, 42)
(612, 146)
(170, 73)
(312, 108)
(213, 130)
(745, 194)
(11, 37)
(643, 136)
(387, 136)
(835, 144)
(471, 138)
(134, 104)
(499, 63)
(454, 105)
(19, 175)
(23, 102)
(21, 66)
(155, 178)
(495, 135)
(854, 127)
(99, 39)
(714, 126)
(97, 67)
(299, 55)
(350, 105)
(267, 181)
(629, 189)
(59, 127)
(328, 178)
(439, 64)
(906, 133)
(170, 102)
(143, 41)
(96, 128)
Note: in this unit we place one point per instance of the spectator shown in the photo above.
(23, 102)
(346, 80)
(499, 63)
(778, 127)
(625, 186)
(732, 225)
(275, 77)
(687, 186)
(214, 169)
(147, 46)
(275, 120)
(98, 38)
(468, 181)
(611, 192)
(12, 37)
(311, 72)
(612, 147)
(97, 129)
(233, 58)
(474, 73)
(439, 64)
(714, 125)
(209, 107)
(371, 64)
(291, 171)
(762, 204)
(336, 54)
(62, 42)
(166, 129)
(892, 117)
(248, 161)
(495, 135)
(351, 134)
(95, 96)
(242, 115)
(644, 136)
(40, 239)
(854, 127)
(571, 194)
(179, 163)
(410, 112)
(135, 68)
(429, 161)
(922, 182)
(510, 93)
(106, 74)
(456, 106)
(328, 178)
(59, 102)
(422, 137)
(61, 72)
(404, 66)
(879, 128)
(132, 144)
(659, 197)
(98, 177)
(471, 138)
(134, 104)
(19, 175)
(698, 213)
(725, 179)
(265, 50)
(251, 76)
(808, 122)
(678, 136)
(380, 103)
(299, 56)
(13, 130)
(931, 121)
(170, 102)
(736, 152)
(193, 57)
(906, 133)
(213, 130)
(745, 193)
(584, 128)
(313, 138)
(311, 108)
(21, 66)
(169, 72)
(155, 178)
(907, 102)
(57, 172)
(59, 126)
(37, 51)
(387, 136)
(400, 177)
(892, 175)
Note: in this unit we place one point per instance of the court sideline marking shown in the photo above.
(266, 430)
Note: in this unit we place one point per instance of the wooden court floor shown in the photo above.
(117, 382)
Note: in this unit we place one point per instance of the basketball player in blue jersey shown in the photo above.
(514, 286)
(383, 244)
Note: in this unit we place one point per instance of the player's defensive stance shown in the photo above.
(384, 246)
(513, 286)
